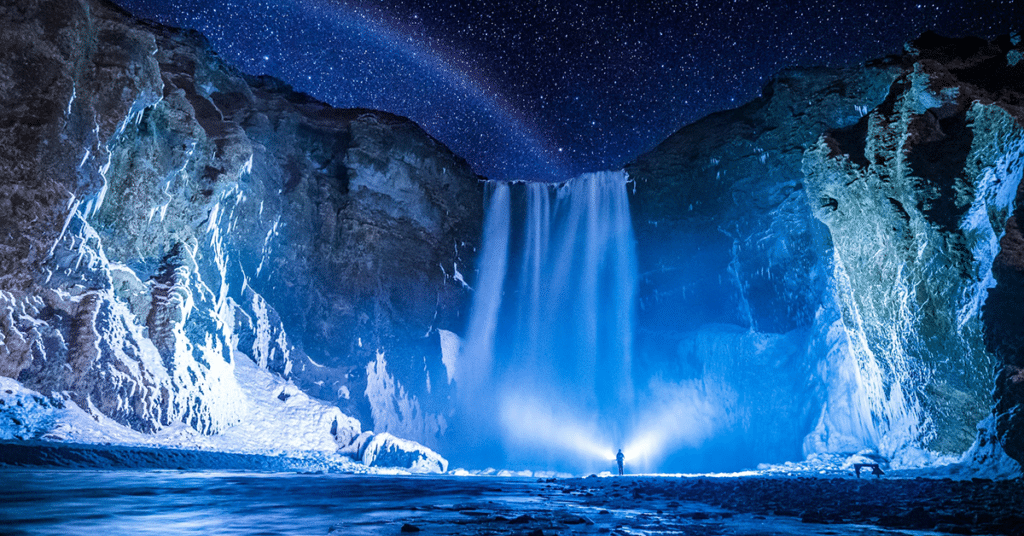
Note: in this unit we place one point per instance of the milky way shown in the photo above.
(545, 90)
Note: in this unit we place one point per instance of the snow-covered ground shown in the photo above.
(278, 420)
(988, 462)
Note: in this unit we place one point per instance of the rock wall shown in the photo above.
(867, 212)
(917, 196)
(160, 210)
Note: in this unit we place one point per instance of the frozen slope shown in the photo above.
(274, 418)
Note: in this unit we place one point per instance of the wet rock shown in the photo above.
(1011, 521)
(812, 517)
(410, 528)
(953, 529)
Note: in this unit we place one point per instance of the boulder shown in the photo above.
(386, 450)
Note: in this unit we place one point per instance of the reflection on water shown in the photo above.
(61, 502)
(110, 503)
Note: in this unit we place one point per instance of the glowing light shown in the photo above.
(687, 415)
(530, 421)
(680, 415)
(737, 474)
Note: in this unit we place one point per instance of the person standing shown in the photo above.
(619, 458)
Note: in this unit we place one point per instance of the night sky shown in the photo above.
(547, 89)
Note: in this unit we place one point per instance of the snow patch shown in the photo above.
(451, 345)
(985, 459)
(458, 277)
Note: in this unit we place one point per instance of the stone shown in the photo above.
(386, 450)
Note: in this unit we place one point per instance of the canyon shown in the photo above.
(189, 252)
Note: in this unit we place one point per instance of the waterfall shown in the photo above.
(544, 375)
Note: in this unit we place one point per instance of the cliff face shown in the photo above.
(918, 197)
(868, 215)
(161, 211)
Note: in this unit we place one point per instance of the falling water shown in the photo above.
(544, 376)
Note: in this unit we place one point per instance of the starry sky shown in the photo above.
(548, 89)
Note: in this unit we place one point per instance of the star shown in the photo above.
(546, 89)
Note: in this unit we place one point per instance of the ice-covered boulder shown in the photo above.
(386, 450)
(357, 446)
(25, 414)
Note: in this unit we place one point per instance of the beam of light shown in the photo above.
(535, 423)
(736, 474)
(677, 416)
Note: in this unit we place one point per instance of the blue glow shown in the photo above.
(545, 375)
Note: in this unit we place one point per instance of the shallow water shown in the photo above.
(106, 503)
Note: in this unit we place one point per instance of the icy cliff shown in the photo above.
(162, 211)
(842, 254)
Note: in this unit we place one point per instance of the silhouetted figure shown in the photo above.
(875, 469)
(619, 458)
